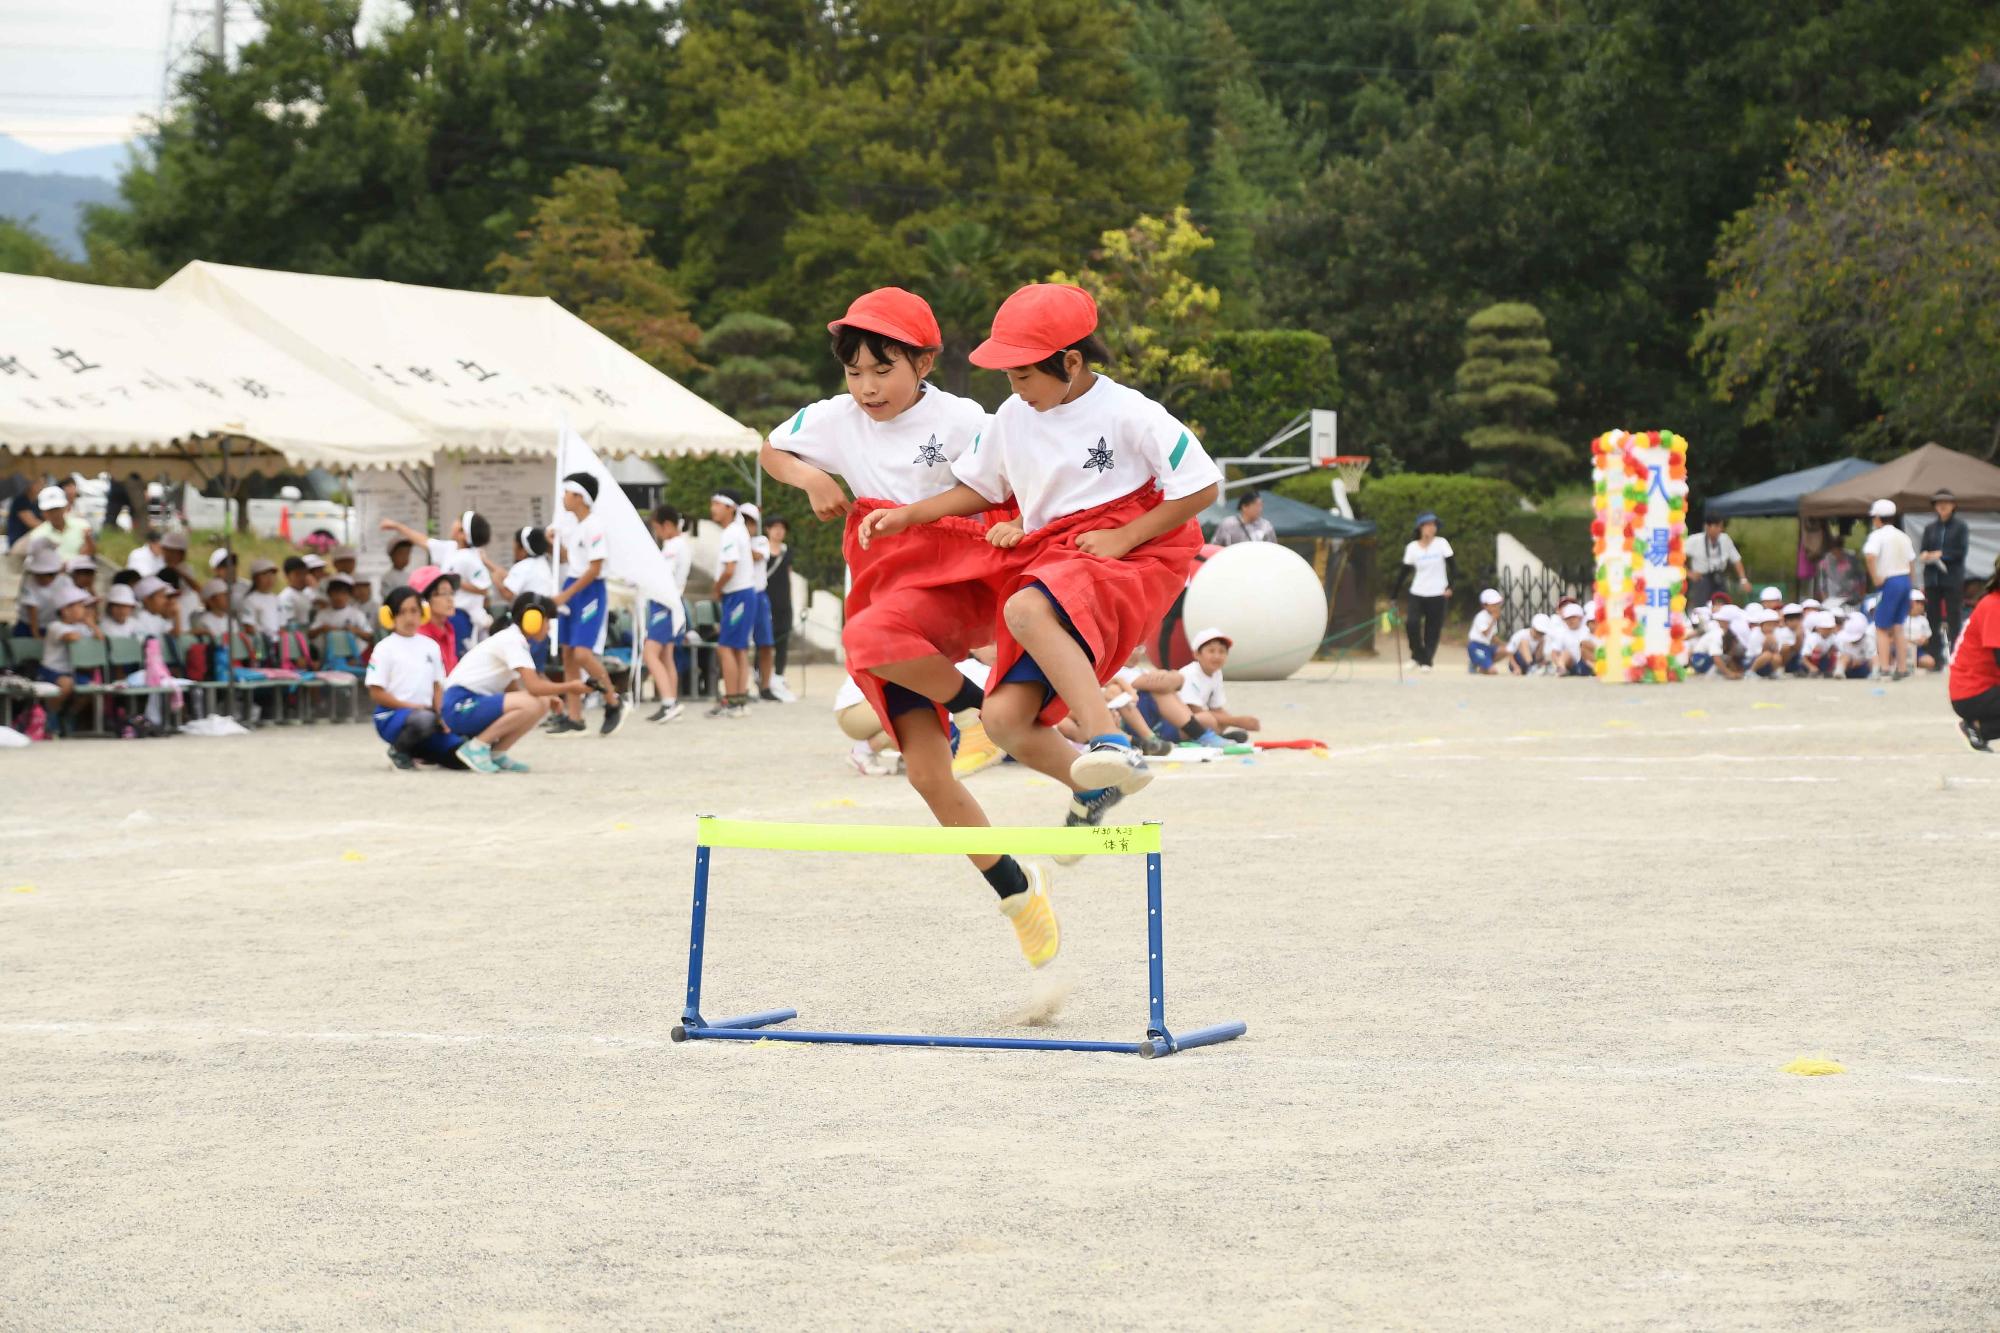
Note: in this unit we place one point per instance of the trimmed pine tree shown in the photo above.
(1506, 384)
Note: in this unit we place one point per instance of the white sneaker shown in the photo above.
(783, 691)
(1111, 762)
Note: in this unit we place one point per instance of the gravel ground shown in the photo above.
(289, 1040)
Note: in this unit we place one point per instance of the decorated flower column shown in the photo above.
(1640, 533)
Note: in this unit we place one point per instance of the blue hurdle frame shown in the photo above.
(1158, 1041)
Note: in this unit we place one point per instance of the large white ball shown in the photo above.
(1267, 599)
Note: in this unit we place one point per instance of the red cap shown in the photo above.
(893, 313)
(1035, 323)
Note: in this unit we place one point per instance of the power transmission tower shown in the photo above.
(197, 30)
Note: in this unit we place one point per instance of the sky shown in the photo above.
(75, 73)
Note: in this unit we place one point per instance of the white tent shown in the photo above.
(90, 372)
(474, 371)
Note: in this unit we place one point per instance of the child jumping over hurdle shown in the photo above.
(1108, 484)
(497, 694)
(919, 605)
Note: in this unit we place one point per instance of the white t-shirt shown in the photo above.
(144, 562)
(1431, 578)
(1524, 642)
(903, 460)
(350, 618)
(465, 562)
(735, 550)
(1704, 559)
(582, 543)
(1781, 638)
(215, 624)
(491, 666)
(265, 612)
(1101, 447)
(1817, 643)
(679, 556)
(128, 628)
(760, 562)
(1201, 690)
(295, 605)
(407, 666)
(56, 640)
(1892, 550)
(1918, 627)
(530, 575)
(1708, 640)
(1484, 627)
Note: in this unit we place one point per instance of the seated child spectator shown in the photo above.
(1198, 710)
(1792, 639)
(39, 592)
(160, 612)
(496, 694)
(1817, 654)
(1772, 600)
(1764, 645)
(1923, 649)
(406, 683)
(121, 614)
(344, 558)
(82, 572)
(1479, 639)
(213, 621)
(1855, 642)
(339, 613)
(1704, 641)
(1737, 643)
(1527, 649)
(261, 607)
(297, 597)
(72, 607)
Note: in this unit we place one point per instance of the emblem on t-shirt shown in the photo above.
(1100, 456)
(930, 455)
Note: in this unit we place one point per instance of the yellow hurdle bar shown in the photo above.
(895, 839)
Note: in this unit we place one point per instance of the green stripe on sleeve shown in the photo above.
(1180, 451)
(798, 421)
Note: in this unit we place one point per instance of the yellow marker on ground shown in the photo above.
(1811, 1066)
(1618, 723)
(1696, 713)
(1765, 703)
(621, 827)
(352, 856)
(836, 803)
(24, 888)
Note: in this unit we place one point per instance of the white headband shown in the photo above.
(575, 488)
(465, 523)
(721, 499)
(527, 530)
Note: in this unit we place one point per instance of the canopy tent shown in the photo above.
(1293, 519)
(1779, 497)
(1910, 481)
(473, 371)
(90, 373)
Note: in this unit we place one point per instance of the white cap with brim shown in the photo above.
(1916, 595)
(52, 497)
(1539, 622)
(1203, 636)
(121, 595)
(1882, 509)
(217, 557)
(1770, 595)
(147, 586)
(71, 595)
(1491, 597)
(1792, 609)
(45, 560)
(750, 511)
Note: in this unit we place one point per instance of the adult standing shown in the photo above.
(60, 527)
(1247, 524)
(1943, 549)
(1710, 557)
(22, 514)
(1891, 557)
(1428, 568)
(778, 586)
(1974, 684)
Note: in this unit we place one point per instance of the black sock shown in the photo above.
(968, 696)
(1006, 877)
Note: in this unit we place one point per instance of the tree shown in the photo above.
(25, 250)
(754, 378)
(413, 155)
(582, 252)
(967, 272)
(1151, 311)
(1873, 271)
(1504, 382)
(1275, 373)
(826, 141)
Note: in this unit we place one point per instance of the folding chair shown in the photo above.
(341, 652)
(91, 656)
(128, 656)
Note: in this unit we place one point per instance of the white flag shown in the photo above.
(630, 553)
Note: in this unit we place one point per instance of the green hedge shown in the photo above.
(1274, 374)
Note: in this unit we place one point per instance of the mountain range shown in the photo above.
(47, 192)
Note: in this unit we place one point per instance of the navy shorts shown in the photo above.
(760, 628)
(468, 714)
(739, 616)
(663, 623)
(1479, 656)
(1026, 671)
(583, 627)
(1894, 606)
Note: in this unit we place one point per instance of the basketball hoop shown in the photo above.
(1347, 470)
(1350, 467)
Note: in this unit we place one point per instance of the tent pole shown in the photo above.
(229, 546)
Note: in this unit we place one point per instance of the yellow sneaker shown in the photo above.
(976, 750)
(1034, 918)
